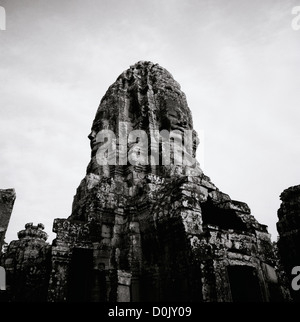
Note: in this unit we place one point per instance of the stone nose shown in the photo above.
(92, 135)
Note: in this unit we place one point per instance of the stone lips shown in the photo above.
(166, 148)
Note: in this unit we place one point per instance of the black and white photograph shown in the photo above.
(149, 154)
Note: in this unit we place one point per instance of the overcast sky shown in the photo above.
(238, 62)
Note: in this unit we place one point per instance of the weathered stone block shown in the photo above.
(236, 205)
(124, 278)
(218, 196)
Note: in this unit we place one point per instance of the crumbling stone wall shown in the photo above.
(288, 227)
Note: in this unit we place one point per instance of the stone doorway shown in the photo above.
(244, 284)
(79, 283)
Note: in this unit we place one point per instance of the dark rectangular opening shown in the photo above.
(244, 284)
(79, 282)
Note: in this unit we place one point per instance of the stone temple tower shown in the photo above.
(147, 224)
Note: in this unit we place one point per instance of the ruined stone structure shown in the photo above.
(27, 264)
(148, 230)
(156, 232)
(7, 200)
(288, 227)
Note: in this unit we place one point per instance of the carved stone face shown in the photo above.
(92, 137)
(174, 117)
(145, 98)
(102, 124)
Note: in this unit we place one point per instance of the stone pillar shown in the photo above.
(57, 291)
(124, 282)
(60, 258)
(7, 200)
